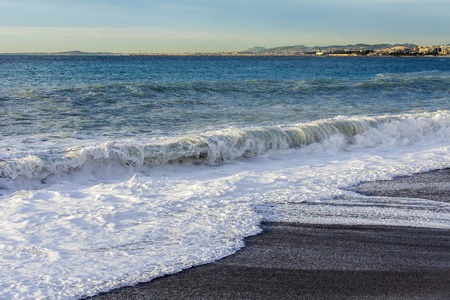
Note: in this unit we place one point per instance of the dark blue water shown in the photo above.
(71, 95)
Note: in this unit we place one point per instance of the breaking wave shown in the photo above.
(337, 134)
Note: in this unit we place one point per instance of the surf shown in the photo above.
(230, 144)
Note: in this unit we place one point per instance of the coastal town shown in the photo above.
(349, 50)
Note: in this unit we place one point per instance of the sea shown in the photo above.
(115, 170)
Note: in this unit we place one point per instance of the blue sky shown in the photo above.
(210, 25)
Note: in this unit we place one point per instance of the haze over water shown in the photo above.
(116, 170)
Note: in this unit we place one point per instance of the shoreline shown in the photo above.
(88, 54)
(309, 261)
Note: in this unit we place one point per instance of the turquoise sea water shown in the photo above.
(115, 170)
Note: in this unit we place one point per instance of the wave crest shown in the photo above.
(340, 133)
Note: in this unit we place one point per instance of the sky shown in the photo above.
(175, 26)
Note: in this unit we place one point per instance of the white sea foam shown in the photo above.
(340, 133)
(114, 214)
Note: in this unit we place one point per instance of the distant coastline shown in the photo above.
(299, 50)
(68, 53)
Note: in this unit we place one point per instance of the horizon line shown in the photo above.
(139, 52)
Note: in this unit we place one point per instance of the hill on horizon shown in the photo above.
(303, 48)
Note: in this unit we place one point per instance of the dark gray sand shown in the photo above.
(300, 261)
(433, 185)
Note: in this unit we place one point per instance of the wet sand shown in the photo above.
(433, 185)
(301, 261)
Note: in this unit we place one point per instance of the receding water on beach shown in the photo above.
(117, 170)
